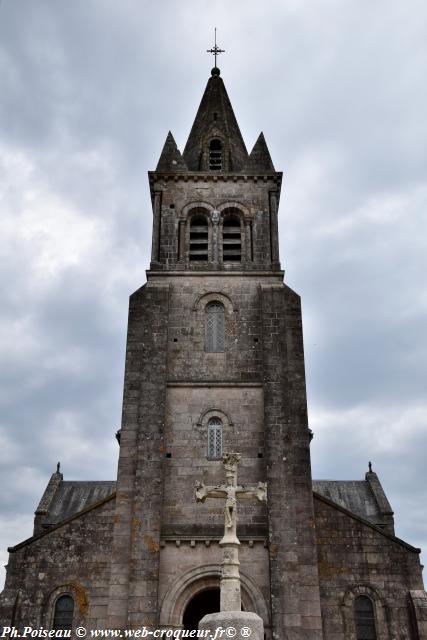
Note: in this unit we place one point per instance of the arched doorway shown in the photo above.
(185, 589)
(205, 602)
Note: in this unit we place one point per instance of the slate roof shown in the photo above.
(354, 495)
(73, 496)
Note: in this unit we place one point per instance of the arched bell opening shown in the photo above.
(215, 155)
(231, 237)
(199, 238)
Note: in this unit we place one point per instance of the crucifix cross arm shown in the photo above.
(203, 491)
(223, 491)
(259, 492)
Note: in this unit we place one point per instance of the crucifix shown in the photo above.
(230, 492)
(215, 50)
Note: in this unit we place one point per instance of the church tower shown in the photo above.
(214, 364)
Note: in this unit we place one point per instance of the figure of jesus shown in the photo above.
(230, 506)
(230, 492)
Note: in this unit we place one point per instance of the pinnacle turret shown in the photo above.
(171, 158)
(259, 158)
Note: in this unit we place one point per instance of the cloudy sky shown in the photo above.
(89, 89)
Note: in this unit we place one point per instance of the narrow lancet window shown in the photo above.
(63, 614)
(215, 439)
(215, 327)
(215, 155)
(364, 618)
(199, 235)
(231, 239)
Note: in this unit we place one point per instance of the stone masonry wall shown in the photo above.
(186, 441)
(295, 599)
(73, 558)
(192, 565)
(356, 559)
(136, 544)
(241, 360)
(179, 193)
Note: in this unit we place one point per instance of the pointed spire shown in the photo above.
(259, 157)
(215, 118)
(171, 158)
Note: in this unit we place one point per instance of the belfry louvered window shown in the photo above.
(215, 439)
(215, 155)
(215, 327)
(231, 239)
(63, 614)
(199, 235)
(364, 618)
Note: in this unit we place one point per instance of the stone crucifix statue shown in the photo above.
(230, 599)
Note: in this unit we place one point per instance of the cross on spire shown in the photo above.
(215, 49)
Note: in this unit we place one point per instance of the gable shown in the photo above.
(334, 522)
(86, 515)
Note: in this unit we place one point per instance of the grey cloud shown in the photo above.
(89, 91)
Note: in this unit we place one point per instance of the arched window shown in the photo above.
(231, 239)
(214, 439)
(215, 327)
(365, 618)
(215, 155)
(63, 615)
(199, 238)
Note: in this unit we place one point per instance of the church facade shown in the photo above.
(215, 364)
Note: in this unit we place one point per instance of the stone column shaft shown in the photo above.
(230, 578)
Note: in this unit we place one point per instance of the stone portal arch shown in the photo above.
(193, 582)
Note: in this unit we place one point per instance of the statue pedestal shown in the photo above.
(244, 623)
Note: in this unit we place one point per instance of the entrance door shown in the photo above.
(203, 603)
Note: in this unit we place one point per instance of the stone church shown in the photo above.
(214, 364)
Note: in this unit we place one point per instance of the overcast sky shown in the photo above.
(89, 89)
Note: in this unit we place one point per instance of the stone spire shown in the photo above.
(215, 119)
(171, 158)
(259, 158)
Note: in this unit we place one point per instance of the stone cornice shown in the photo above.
(211, 176)
(212, 383)
(218, 274)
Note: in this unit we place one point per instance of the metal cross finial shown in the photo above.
(215, 50)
